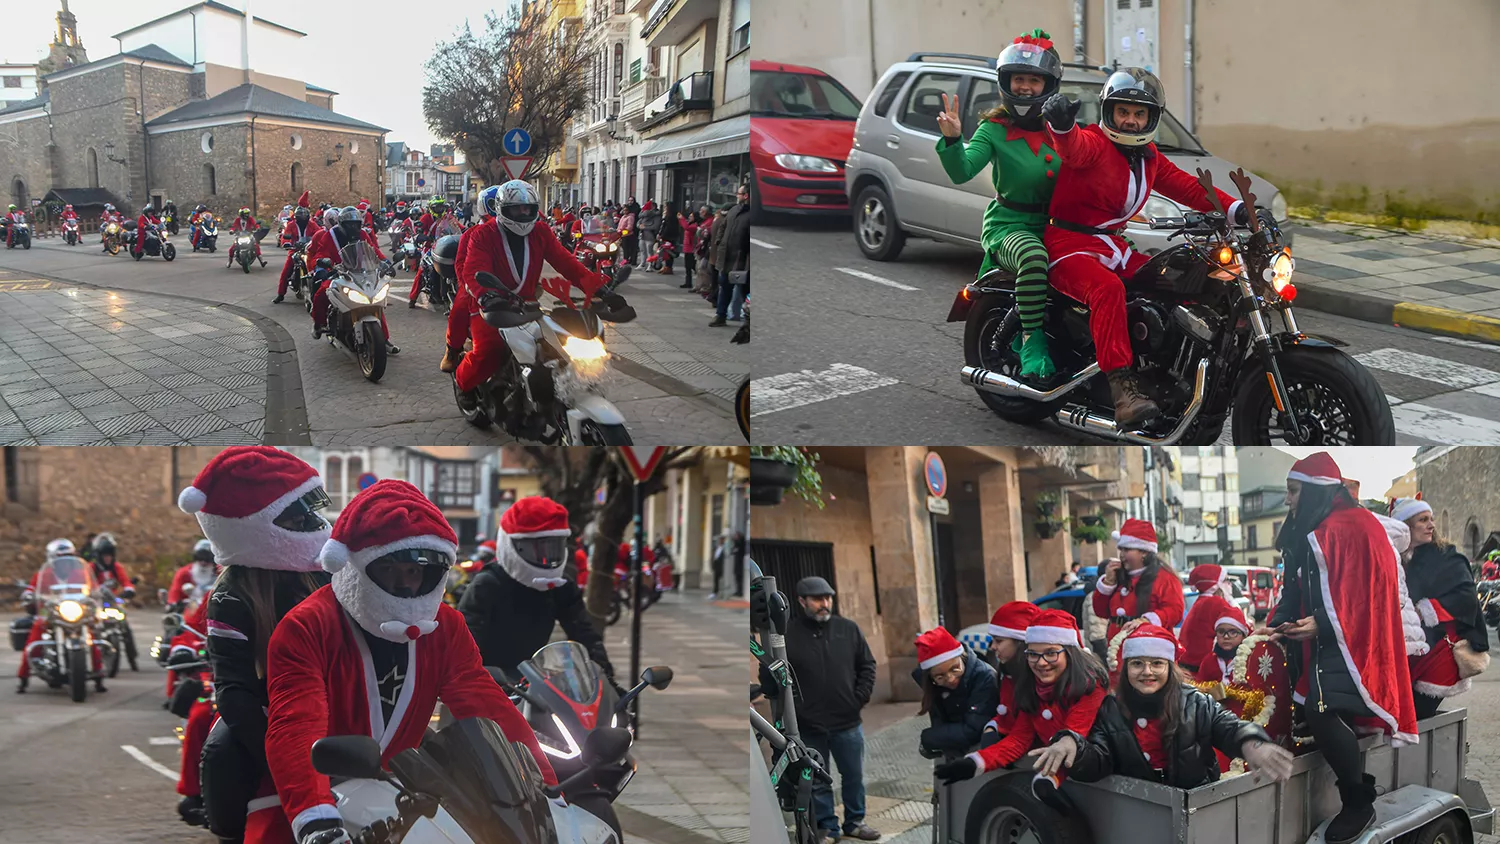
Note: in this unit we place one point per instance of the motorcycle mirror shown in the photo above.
(499, 676)
(657, 677)
(355, 757)
(604, 746)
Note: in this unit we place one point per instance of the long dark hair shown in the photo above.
(931, 691)
(258, 588)
(1084, 674)
(1143, 585)
(1170, 697)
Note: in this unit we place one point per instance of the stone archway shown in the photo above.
(18, 193)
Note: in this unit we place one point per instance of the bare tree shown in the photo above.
(514, 74)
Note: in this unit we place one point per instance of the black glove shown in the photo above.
(128, 593)
(989, 737)
(1061, 112)
(1242, 215)
(956, 771)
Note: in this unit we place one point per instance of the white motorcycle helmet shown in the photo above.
(60, 548)
(518, 207)
(330, 218)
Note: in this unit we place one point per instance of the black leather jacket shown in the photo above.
(1205, 726)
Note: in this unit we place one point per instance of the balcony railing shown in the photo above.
(694, 92)
(636, 95)
(601, 111)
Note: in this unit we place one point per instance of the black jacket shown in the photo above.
(833, 671)
(510, 622)
(1443, 575)
(1328, 675)
(736, 240)
(1205, 726)
(958, 716)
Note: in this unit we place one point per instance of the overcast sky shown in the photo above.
(372, 54)
(1374, 468)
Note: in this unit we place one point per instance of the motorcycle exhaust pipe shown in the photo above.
(1080, 418)
(991, 381)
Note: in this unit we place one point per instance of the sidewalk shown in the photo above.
(670, 336)
(85, 366)
(689, 786)
(1448, 286)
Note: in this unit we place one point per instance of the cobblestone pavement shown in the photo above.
(319, 396)
(82, 366)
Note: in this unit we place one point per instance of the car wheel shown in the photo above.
(875, 225)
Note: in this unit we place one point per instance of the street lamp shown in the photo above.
(611, 124)
(109, 152)
(338, 155)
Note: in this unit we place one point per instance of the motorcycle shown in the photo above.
(300, 279)
(565, 698)
(547, 389)
(242, 251)
(21, 235)
(1489, 601)
(65, 589)
(465, 783)
(208, 234)
(1200, 320)
(114, 237)
(600, 253)
(355, 299)
(742, 395)
(439, 279)
(169, 222)
(155, 242)
(172, 621)
(114, 628)
(70, 232)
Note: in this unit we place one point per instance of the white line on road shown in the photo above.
(875, 278)
(795, 389)
(165, 741)
(1456, 375)
(141, 757)
(1444, 426)
(1473, 344)
(763, 244)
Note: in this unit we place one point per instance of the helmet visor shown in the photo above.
(543, 552)
(301, 516)
(410, 572)
(520, 213)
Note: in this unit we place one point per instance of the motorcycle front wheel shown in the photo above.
(1336, 401)
(372, 353)
(78, 674)
(130, 655)
(595, 433)
(114, 662)
(169, 252)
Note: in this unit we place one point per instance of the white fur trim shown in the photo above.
(372, 607)
(940, 658)
(1155, 619)
(1149, 646)
(1434, 690)
(991, 725)
(540, 534)
(365, 556)
(1315, 480)
(256, 542)
(524, 573)
(1398, 738)
(1037, 635)
(380, 730)
(1122, 541)
(1409, 508)
(191, 500)
(1007, 632)
(1105, 588)
(393, 629)
(1411, 621)
(320, 812)
(978, 761)
(1233, 622)
(1428, 612)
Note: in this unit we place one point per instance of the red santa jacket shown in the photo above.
(1037, 729)
(144, 222)
(1121, 603)
(320, 678)
(247, 224)
(1004, 721)
(112, 571)
(426, 225)
(182, 578)
(1098, 187)
(1197, 634)
(294, 232)
(70, 215)
(324, 245)
(486, 251)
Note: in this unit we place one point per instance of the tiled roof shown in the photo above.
(257, 100)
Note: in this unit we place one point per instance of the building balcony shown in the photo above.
(600, 112)
(670, 21)
(635, 96)
(694, 92)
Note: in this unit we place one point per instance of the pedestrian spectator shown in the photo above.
(721, 550)
(1139, 584)
(671, 232)
(1070, 576)
(630, 238)
(1439, 580)
(649, 221)
(737, 558)
(1007, 652)
(1095, 626)
(959, 694)
(835, 674)
(733, 250)
(691, 223)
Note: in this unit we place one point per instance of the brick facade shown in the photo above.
(274, 158)
(186, 181)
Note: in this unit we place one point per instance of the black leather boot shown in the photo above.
(1358, 812)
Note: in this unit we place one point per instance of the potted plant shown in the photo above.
(1085, 532)
(1046, 502)
(776, 469)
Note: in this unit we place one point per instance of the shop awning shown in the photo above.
(712, 140)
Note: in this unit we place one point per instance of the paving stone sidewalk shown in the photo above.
(83, 366)
(671, 335)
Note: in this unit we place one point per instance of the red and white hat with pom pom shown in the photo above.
(237, 497)
(535, 516)
(389, 516)
(1012, 619)
(936, 647)
(1150, 641)
(1136, 533)
(1317, 469)
(1054, 627)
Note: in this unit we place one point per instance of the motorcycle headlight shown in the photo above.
(357, 296)
(380, 294)
(1279, 274)
(70, 611)
(1157, 206)
(584, 350)
(570, 751)
(614, 247)
(601, 247)
(806, 163)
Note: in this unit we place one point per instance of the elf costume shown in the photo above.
(1024, 169)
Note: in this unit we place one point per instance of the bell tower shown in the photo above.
(66, 49)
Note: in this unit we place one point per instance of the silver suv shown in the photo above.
(899, 188)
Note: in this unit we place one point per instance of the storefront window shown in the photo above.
(724, 179)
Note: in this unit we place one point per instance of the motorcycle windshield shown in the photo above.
(361, 264)
(65, 578)
(567, 667)
(490, 789)
(446, 226)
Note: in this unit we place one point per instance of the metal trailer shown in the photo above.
(1425, 797)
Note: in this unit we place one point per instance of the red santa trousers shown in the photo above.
(1089, 269)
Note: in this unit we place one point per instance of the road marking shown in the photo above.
(763, 244)
(165, 741)
(795, 389)
(1473, 344)
(1456, 375)
(1444, 426)
(141, 757)
(27, 284)
(875, 278)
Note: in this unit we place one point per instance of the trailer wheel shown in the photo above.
(1006, 812)
(1444, 830)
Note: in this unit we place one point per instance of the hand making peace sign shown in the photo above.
(949, 122)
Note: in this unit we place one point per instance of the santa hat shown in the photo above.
(1234, 617)
(1150, 641)
(535, 516)
(1012, 620)
(935, 647)
(1136, 534)
(236, 497)
(1406, 509)
(305, 200)
(487, 544)
(387, 517)
(364, 205)
(1206, 576)
(1054, 627)
(1317, 469)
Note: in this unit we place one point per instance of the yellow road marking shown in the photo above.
(25, 284)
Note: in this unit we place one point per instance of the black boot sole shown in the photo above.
(1345, 839)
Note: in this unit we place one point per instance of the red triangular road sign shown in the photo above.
(515, 165)
(642, 460)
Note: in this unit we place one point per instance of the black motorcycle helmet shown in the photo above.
(1030, 53)
(351, 221)
(104, 543)
(1137, 86)
(302, 214)
(444, 253)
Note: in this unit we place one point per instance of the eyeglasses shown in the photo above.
(954, 673)
(1049, 657)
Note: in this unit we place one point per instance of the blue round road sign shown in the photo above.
(421, 183)
(937, 475)
(516, 142)
(366, 480)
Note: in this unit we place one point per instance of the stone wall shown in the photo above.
(72, 492)
(89, 111)
(23, 155)
(274, 157)
(1463, 487)
(180, 161)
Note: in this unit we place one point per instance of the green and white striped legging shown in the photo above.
(1021, 252)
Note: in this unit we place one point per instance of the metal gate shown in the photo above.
(1130, 35)
(789, 562)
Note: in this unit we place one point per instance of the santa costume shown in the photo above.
(258, 507)
(1010, 621)
(1214, 600)
(1153, 592)
(356, 659)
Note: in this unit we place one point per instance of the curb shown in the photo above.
(658, 831)
(1400, 314)
(669, 385)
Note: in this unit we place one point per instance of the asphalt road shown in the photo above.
(865, 356)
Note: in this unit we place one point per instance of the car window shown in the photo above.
(1169, 133)
(925, 102)
(984, 94)
(1263, 580)
(786, 94)
(888, 95)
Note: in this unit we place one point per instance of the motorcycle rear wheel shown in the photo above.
(372, 353)
(1338, 401)
(78, 675)
(993, 323)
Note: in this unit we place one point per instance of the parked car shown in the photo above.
(899, 189)
(801, 129)
(1260, 584)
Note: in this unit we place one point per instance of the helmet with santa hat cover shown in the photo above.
(390, 554)
(486, 551)
(258, 506)
(533, 542)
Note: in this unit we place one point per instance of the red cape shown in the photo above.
(1197, 633)
(1358, 575)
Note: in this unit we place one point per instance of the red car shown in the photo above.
(801, 130)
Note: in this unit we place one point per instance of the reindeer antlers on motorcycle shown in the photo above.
(1206, 179)
(1242, 182)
